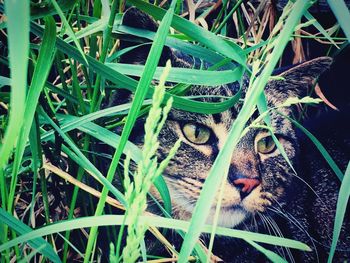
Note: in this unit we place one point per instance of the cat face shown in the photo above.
(258, 175)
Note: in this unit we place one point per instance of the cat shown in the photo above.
(262, 192)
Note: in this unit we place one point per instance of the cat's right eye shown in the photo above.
(195, 133)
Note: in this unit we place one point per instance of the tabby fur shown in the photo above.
(278, 201)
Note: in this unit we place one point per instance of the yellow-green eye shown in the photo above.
(266, 145)
(197, 134)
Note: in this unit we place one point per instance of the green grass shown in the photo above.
(59, 76)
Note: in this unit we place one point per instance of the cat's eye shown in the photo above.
(266, 145)
(195, 133)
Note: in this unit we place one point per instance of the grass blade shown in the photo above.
(269, 254)
(186, 47)
(18, 41)
(320, 28)
(69, 30)
(4, 81)
(342, 204)
(342, 14)
(22, 229)
(319, 146)
(184, 75)
(40, 74)
(107, 220)
(86, 164)
(123, 81)
(197, 33)
(39, 12)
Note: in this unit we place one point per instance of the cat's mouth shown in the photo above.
(235, 208)
(229, 216)
(234, 212)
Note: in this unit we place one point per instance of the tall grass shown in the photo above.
(59, 64)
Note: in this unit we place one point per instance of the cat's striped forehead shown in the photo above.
(210, 95)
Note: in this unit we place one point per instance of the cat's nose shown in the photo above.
(246, 185)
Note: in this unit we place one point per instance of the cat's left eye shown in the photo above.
(266, 145)
(197, 134)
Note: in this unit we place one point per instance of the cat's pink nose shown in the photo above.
(246, 185)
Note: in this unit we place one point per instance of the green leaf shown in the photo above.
(123, 81)
(18, 42)
(41, 71)
(320, 28)
(95, 27)
(342, 203)
(4, 81)
(69, 30)
(84, 162)
(269, 254)
(184, 75)
(109, 220)
(197, 33)
(342, 14)
(21, 228)
(39, 12)
(319, 146)
(185, 47)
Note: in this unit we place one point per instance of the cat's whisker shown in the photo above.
(275, 225)
(276, 232)
(265, 223)
(255, 224)
(308, 185)
(295, 222)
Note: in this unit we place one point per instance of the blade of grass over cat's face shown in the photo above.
(22, 228)
(106, 220)
(197, 33)
(342, 204)
(140, 94)
(184, 75)
(186, 47)
(220, 167)
(262, 107)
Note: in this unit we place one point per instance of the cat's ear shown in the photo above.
(135, 18)
(305, 74)
(296, 81)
